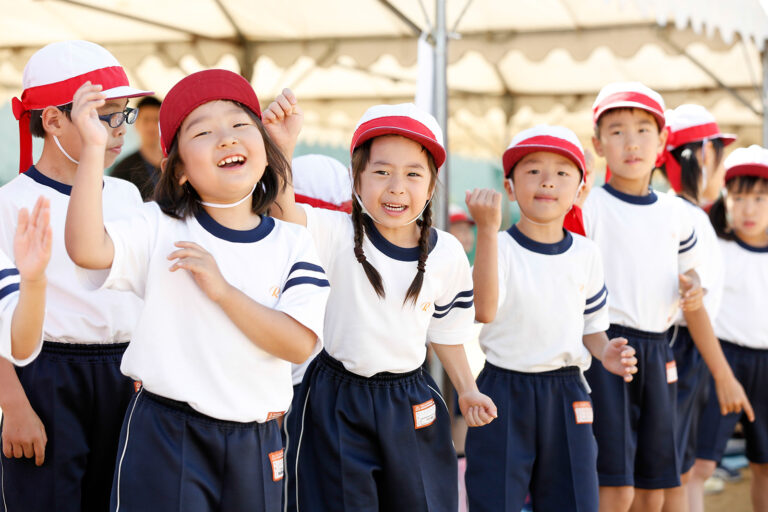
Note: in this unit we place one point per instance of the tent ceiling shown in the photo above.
(512, 63)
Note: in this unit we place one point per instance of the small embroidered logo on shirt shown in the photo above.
(671, 372)
(274, 415)
(275, 291)
(424, 414)
(278, 468)
(425, 306)
(583, 412)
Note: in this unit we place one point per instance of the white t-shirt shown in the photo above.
(711, 269)
(742, 319)
(550, 296)
(371, 335)
(74, 314)
(645, 241)
(184, 346)
(9, 297)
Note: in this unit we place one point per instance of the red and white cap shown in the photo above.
(53, 75)
(629, 95)
(405, 119)
(457, 214)
(199, 88)
(551, 139)
(322, 182)
(686, 124)
(751, 161)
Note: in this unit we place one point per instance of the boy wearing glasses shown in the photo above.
(62, 413)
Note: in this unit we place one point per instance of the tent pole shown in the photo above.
(765, 95)
(441, 109)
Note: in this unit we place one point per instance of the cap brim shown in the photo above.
(513, 155)
(728, 138)
(659, 116)
(125, 91)
(435, 149)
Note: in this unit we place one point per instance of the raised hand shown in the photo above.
(32, 242)
(88, 98)
(619, 358)
(484, 207)
(202, 266)
(283, 119)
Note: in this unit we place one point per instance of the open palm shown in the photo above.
(32, 242)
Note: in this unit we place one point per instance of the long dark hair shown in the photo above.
(180, 201)
(690, 170)
(360, 158)
(718, 214)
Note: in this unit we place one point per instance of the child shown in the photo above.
(543, 441)
(692, 161)
(461, 226)
(322, 182)
(243, 297)
(22, 291)
(649, 252)
(373, 431)
(740, 218)
(67, 404)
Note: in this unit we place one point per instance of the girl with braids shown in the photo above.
(371, 431)
(693, 164)
(740, 219)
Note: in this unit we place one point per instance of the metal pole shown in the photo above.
(765, 95)
(441, 109)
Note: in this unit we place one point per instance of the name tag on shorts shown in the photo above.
(424, 414)
(583, 412)
(275, 415)
(278, 466)
(671, 372)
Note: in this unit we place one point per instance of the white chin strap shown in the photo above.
(229, 205)
(58, 144)
(365, 210)
(703, 167)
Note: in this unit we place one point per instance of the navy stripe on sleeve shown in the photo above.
(468, 293)
(685, 242)
(597, 296)
(303, 265)
(600, 306)
(4, 292)
(458, 305)
(8, 272)
(305, 280)
(689, 247)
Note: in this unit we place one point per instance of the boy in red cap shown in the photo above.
(62, 413)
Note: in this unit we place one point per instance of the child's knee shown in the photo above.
(759, 471)
(702, 469)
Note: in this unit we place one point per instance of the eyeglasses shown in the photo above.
(115, 119)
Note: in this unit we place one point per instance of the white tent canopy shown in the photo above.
(511, 64)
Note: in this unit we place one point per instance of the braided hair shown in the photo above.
(360, 158)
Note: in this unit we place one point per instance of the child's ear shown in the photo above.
(598, 145)
(163, 164)
(510, 189)
(53, 120)
(663, 136)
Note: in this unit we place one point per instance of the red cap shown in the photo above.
(197, 89)
(551, 139)
(629, 95)
(751, 161)
(457, 214)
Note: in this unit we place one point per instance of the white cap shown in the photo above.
(321, 181)
(552, 139)
(629, 95)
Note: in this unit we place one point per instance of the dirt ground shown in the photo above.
(734, 498)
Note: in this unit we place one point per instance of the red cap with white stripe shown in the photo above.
(457, 214)
(322, 182)
(686, 124)
(53, 75)
(629, 95)
(550, 139)
(751, 161)
(405, 119)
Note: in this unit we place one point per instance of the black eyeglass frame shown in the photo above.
(115, 119)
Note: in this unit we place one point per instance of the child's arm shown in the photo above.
(477, 408)
(282, 120)
(23, 433)
(88, 243)
(617, 357)
(32, 250)
(485, 208)
(273, 331)
(730, 393)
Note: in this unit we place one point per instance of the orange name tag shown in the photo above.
(278, 467)
(136, 386)
(274, 415)
(424, 414)
(671, 372)
(583, 412)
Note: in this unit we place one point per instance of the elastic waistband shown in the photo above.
(188, 412)
(566, 372)
(741, 349)
(620, 330)
(83, 349)
(336, 368)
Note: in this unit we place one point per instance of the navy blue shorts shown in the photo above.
(172, 457)
(750, 366)
(635, 421)
(370, 444)
(541, 442)
(80, 396)
(692, 392)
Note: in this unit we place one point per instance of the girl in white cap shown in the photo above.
(373, 431)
